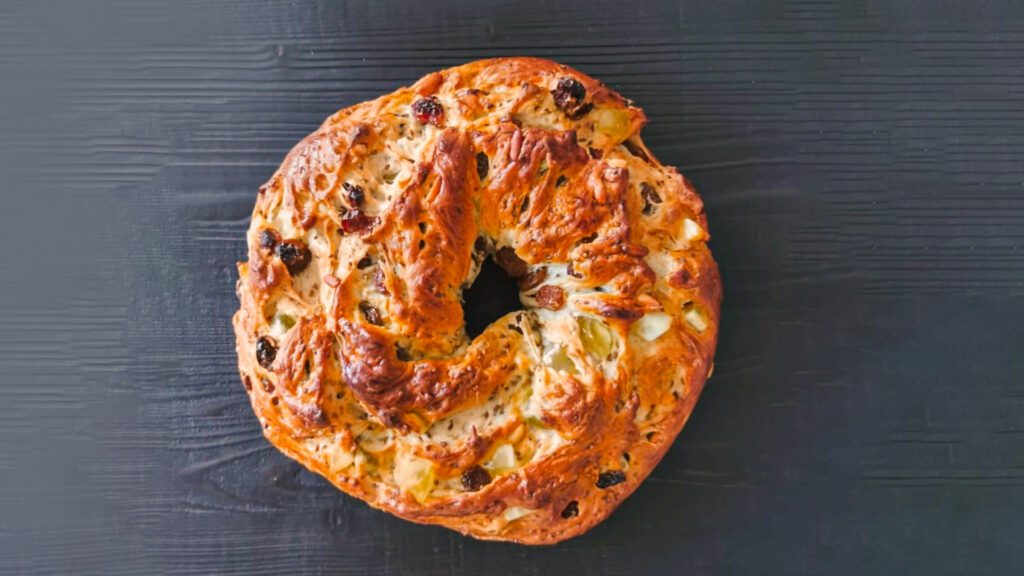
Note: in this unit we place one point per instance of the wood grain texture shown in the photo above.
(861, 167)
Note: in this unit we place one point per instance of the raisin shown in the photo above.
(551, 297)
(650, 196)
(391, 420)
(569, 95)
(561, 181)
(247, 382)
(356, 222)
(378, 281)
(268, 386)
(402, 354)
(571, 272)
(364, 262)
(511, 262)
(269, 238)
(475, 478)
(294, 255)
(428, 111)
(610, 478)
(482, 165)
(355, 193)
(266, 351)
(372, 314)
(533, 279)
(571, 509)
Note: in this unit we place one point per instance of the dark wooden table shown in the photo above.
(863, 168)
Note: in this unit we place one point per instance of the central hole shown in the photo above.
(492, 295)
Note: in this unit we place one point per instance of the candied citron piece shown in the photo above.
(279, 323)
(691, 230)
(651, 326)
(696, 319)
(515, 513)
(596, 336)
(614, 124)
(414, 475)
(504, 458)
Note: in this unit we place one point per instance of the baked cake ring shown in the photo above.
(351, 340)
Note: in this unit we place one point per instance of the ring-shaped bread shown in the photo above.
(351, 340)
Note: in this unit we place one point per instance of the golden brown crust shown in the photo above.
(351, 334)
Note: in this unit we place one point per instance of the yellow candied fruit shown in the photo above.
(414, 475)
(504, 458)
(695, 318)
(614, 124)
(596, 336)
(651, 326)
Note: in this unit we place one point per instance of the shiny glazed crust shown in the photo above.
(350, 336)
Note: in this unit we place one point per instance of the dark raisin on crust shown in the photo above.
(266, 351)
(294, 255)
(378, 281)
(428, 111)
(533, 279)
(569, 95)
(475, 478)
(482, 165)
(610, 478)
(571, 509)
(571, 272)
(356, 222)
(551, 297)
(269, 238)
(364, 262)
(511, 262)
(402, 354)
(561, 181)
(355, 194)
(650, 197)
(372, 314)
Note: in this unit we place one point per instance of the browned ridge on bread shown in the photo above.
(351, 340)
